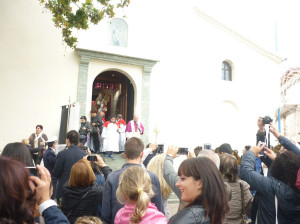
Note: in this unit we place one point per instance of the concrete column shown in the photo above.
(82, 84)
(146, 102)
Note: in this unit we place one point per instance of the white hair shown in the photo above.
(211, 155)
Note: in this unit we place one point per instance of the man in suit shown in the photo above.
(66, 159)
(49, 161)
(133, 154)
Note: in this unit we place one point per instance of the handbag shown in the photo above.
(244, 216)
(83, 196)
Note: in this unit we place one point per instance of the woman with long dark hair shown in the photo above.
(202, 187)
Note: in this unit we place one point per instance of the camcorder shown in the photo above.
(207, 146)
(92, 158)
(183, 151)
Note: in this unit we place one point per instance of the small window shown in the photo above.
(226, 71)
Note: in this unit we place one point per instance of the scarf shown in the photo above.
(36, 139)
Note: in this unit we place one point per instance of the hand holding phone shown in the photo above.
(92, 158)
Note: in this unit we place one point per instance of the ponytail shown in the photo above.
(140, 207)
(135, 184)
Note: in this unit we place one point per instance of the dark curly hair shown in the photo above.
(17, 204)
(285, 168)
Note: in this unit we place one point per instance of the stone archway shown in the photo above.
(146, 65)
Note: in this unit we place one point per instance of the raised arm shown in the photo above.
(169, 173)
(247, 172)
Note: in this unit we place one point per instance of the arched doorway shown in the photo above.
(113, 93)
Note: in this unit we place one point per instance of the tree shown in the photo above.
(78, 14)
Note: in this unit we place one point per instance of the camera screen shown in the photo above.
(160, 149)
(183, 151)
(32, 170)
(92, 158)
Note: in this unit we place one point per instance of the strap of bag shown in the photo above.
(83, 196)
(243, 204)
(276, 208)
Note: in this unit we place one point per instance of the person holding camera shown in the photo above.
(85, 129)
(24, 197)
(82, 195)
(279, 194)
(96, 123)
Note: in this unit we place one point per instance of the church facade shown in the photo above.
(191, 78)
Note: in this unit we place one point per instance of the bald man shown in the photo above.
(134, 128)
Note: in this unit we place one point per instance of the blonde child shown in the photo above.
(156, 166)
(135, 191)
(88, 220)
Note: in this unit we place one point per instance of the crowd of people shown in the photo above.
(213, 186)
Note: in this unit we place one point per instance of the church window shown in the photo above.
(226, 71)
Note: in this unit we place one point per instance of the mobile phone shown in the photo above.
(92, 158)
(183, 151)
(32, 170)
(262, 152)
(160, 149)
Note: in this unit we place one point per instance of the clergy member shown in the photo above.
(134, 128)
(110, 136)
(122, 137)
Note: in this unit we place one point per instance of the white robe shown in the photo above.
(122, 138)
(110, 136)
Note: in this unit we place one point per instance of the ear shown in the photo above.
(141, 155)
(124, 155)
(199, 184)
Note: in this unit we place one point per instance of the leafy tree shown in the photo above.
(78, 14)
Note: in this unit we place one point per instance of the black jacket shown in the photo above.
(268, 187)
(64, 162)
(195, 214)
(87, 206)
(98, 123)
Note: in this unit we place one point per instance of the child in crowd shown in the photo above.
(135, 191)
(88, 220)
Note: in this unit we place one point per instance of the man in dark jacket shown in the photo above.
(66, 159)
(133, 154)
(96, 123)
(85, 129)
(269, 187)
(49, 161)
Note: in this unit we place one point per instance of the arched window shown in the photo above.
(226, 71)
(118, 32)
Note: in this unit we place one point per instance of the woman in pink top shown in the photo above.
(135, 191)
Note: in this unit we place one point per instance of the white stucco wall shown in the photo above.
(38, 73)
(190, 103)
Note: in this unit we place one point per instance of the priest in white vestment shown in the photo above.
(110, 135)
(134, 128)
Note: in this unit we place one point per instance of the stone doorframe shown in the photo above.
(146, 64)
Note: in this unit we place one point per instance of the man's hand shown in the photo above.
(258, 148)
(153, 146)
(172, 150)
(274, 131)
(191, 155)
(93, 124)
(260, 124)
(83, 128)
(270, 154)
(42, 187)
(100, 161)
